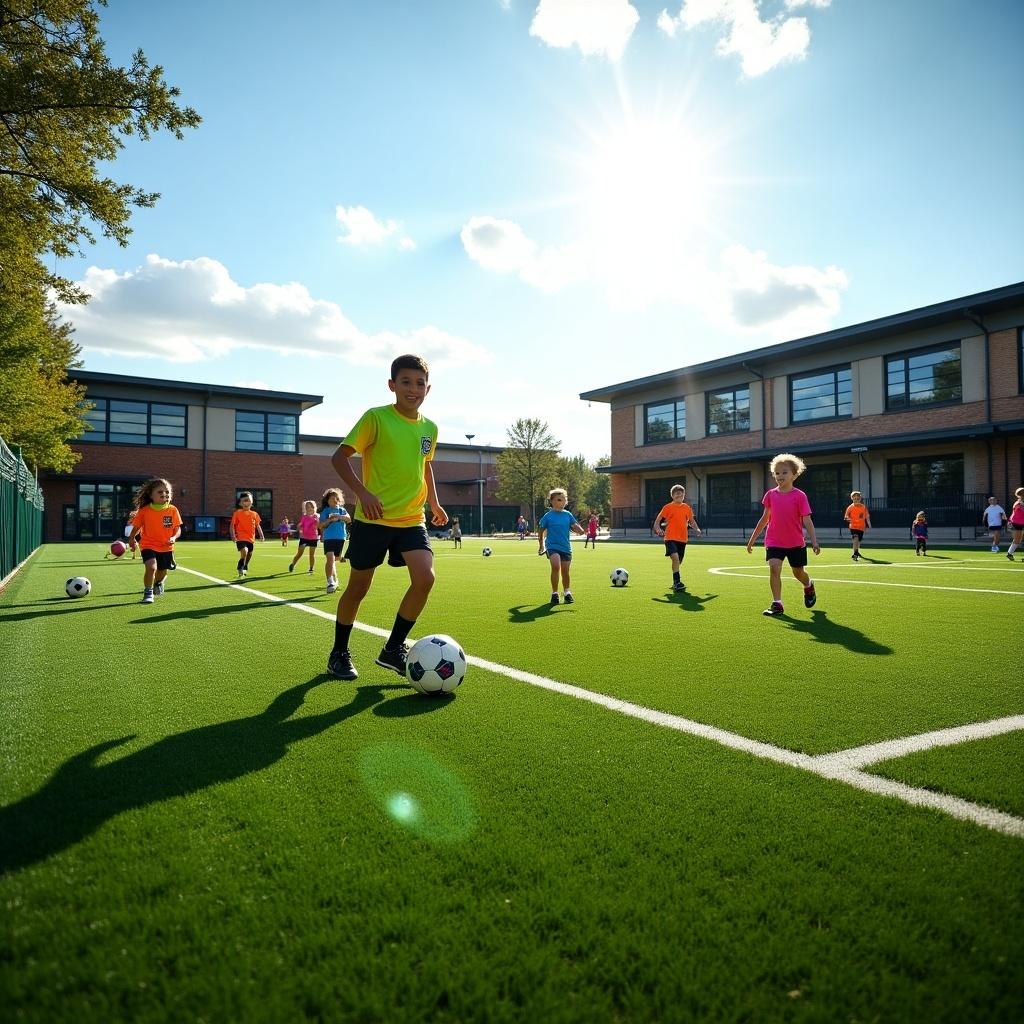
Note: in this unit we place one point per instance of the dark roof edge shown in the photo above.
(90, 376)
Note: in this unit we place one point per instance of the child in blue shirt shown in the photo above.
(555, 525)
(333, 518)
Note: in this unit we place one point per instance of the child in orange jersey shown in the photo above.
(858, 519)
(677, 516)
(156, 524)
(245, 528)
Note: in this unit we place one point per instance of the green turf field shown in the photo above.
(198, 824)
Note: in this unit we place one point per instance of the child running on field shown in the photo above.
(591, 538)
(397, 445)
(677, 516)
(284, 530)
(555, 524)
(245, 528)
(309, 535)
(1016, 522)
(156, 524)
(919, 531)
(858, 519)
(333, 517)
(456, 532)
(787, 513)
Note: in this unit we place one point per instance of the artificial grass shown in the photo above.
(269, 843)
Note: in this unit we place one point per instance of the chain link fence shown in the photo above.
(21, 511)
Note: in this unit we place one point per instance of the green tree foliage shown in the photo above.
(528, 467)
(599, 492)
(64, 111)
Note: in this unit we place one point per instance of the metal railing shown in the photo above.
(21, 511)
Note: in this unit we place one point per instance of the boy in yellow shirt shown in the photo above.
(677, 516)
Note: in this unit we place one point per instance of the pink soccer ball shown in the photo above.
(118, 548)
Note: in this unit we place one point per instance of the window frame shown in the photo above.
(96, 436)
(707, 410)
(676, 403)
(919, 498)
(906, 356)
(265, 450)
(835, 415)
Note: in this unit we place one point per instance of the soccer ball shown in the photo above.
(619, 577)
(436, 665)
(487, 552)
(77, 586)
(118, 548)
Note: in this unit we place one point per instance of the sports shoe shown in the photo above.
(1009, 556)
(394, 658)
(331, 587)
(310, 573)
(679, 588)
(554, 599)
(810, 597)
(856, 558)
(775, 608)
(340, 664)
(995, 548)
(158, 589)
(245, 572)
(147, 597)
(569, 599)
(334, 582)
(291, 567)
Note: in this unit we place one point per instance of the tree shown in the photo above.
(599, 493)
(528, 467)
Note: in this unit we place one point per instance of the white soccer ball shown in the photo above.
(77, 586)
(487, 552)
(436, 664)
(619, 577)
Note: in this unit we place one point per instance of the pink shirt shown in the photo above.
(1017, 515)
(785, 528)
(308, 527)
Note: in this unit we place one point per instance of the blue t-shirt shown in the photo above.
(336, 531)
(557, 525)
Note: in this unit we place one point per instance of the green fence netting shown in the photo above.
(21, 511)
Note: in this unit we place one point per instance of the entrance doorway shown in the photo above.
(100, 510)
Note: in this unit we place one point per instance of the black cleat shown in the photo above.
(340, 664)
(554, 599)
(394, 659)
(569, 599)
(810, 597)
(775, 608)
(679, 588)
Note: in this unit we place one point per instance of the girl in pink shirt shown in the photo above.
(787, 513)
(309, 535)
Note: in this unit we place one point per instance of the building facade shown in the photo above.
(922, 409)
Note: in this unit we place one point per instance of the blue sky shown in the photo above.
(548, 196)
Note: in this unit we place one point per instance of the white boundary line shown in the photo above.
(728, 570)
(840, 766)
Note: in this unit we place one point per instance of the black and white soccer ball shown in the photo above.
(487, 552)
(77, 586)
(619, 577)
(436, 665)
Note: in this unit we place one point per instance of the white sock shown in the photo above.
(1013, 547)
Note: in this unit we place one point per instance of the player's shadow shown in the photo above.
(83, 794)
(530, 613)
(55, 606)
(825, 631)
(146, 619)
(874, 561)
(411, 704)
(685, 601)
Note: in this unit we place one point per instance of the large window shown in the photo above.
(729, 410)
(262, 502)
(665, 421)
(266, 432)
(114, 421)
(729, 493)
(828, 491)
(825, 395)
(928, 377)
(920, 481)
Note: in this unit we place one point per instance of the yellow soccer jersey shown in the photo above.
(394, 452)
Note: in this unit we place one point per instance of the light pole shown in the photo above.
(480, 483)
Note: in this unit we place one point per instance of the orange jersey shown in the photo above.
(678, 518)
(857, 516)
(157, 526)
(244, 524)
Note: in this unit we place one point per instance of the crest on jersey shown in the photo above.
(426, 443)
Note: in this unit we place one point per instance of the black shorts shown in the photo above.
(859, 534)
(304, 543)
(675, 547)
(797, 556)
(244, 545)
(164, 559)
(565, 556)
(369, 543)
(333, 547)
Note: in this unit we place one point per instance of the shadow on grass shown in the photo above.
(685, 601)
(57, 606)
(83, 795)
(411, 704)
(874, 561)
(530, 613)
(822, 629)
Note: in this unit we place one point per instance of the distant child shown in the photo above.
(397, 445)
(456, 532)
(129, 534)
(521, 527)
(858, 519)
(994, 516)
(919, 531)
(284, 529)
(245, 528)
(156, 525)
(333, 519)
(309, 535)
(1016, 522)
(591, 532)
(555, 524)
(677, 516)
(787, 513)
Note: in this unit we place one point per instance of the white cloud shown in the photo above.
(761, 44)
(193, 311)
(363, 228)
(600, 27)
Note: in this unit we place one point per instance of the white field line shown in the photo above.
(730, 570)
(827, 766)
